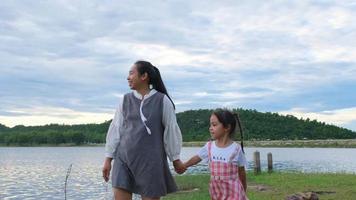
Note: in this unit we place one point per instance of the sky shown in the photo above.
(66, 62)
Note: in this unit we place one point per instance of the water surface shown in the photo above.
(39, 172)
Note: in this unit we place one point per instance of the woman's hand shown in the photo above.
(179, 167)
(107, 169)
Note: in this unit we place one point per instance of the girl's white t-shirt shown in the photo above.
(223, 154)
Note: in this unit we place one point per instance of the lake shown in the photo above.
(39, 172)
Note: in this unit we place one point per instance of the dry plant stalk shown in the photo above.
(66, 180)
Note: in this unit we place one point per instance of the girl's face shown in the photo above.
(135, 80)
(217, 129)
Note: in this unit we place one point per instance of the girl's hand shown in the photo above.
(242, 177)
(179, 167)
(106, 169)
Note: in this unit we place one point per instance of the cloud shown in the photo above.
(339, 117)
(269, 56)
(51, 115)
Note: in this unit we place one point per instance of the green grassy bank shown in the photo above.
(332, 143)
(274, 186)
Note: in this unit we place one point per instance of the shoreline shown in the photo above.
(329, 143)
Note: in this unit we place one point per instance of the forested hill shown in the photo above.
(194, 126)
(3, 128)
(262, 126)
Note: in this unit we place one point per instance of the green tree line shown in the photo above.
(194, 125)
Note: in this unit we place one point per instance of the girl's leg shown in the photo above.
(149, 198)
(121, 194)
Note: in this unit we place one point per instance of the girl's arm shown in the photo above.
(242, 177)
(192, 161)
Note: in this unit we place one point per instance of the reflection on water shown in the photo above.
(308, 160)
(39, 172)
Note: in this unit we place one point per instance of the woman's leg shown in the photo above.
(149, 198)
(121, 194)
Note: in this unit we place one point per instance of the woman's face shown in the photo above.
(135, 80)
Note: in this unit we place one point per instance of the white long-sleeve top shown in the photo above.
(172, 137)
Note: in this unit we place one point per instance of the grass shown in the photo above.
(191, 187)
(275, 186)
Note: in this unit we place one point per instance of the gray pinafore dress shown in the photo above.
(140, 161)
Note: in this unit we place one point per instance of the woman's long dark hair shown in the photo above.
(154, 76)
(227, 118)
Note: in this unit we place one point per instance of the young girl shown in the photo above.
(142, 134)
(226, 158)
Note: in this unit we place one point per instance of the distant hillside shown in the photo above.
(54, 134)
(3, 128)
(262, 126)
(194, 125)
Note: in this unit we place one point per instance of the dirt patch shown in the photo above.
(303, 196)
(259, 187)
(308, 195)
(324, 192)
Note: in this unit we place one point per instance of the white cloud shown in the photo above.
(209, 53)
(52, 115)
(160, 54)
(339, 117)
(182, 102)
(238, 96)
(201, 94)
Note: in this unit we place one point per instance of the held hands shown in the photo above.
(179, 167)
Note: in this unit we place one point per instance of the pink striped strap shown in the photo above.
(209, 150)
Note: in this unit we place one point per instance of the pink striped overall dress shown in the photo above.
(224, 182)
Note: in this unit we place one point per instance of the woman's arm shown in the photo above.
(172, 136)
(192, 161)
(242, 177)
(113, 134)
(112, 140)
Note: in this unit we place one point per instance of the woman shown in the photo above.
(142, 134)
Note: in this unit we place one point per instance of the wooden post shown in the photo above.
(270, 162)
(257, 162)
